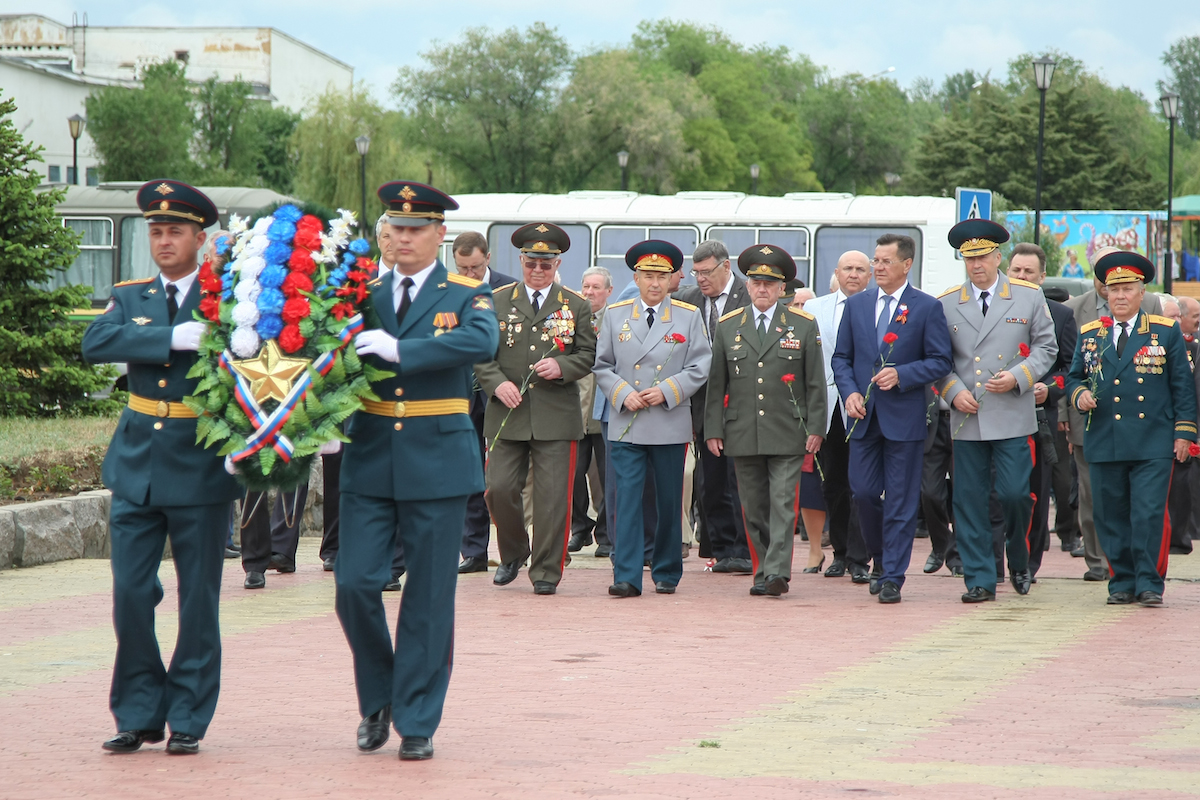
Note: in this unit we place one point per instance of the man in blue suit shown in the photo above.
(412, 462)
(893, 342)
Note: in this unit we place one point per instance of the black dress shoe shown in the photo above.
(328, 563)
(624, 589)
(956, 570)
(373, 731)
(507, 573)
(578, 541)
(603, 551)
(876, 574)
(232, 552)
(1069, 545)
(544, 587)
(889, 593)
(837, 569)
(282, 563)
(758, 590)
(129, 741)
(1095, 575)
(415, 748)
(183, 744)
(394, 585)
(734, 566)
(1020, 581)
(473, 564)
(1149, 599)
(776, 585)
(255, 580)
(859, 574)
(1120, 598)
(1078, 552)
(662, 587)
(933, 563)
(978, 595)
(814, 570)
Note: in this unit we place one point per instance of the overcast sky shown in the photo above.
(1122, 41)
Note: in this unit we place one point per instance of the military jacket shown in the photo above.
(1145, 399)
(550, 410)
(154, 461)
(449, 326)
(983, 346)
(760, 417)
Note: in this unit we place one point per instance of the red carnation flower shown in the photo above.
(290, 339)
(562, 347)
(295, 310)
(890, 337)
(678, 338)
(1023, 349)
(341, 310)
(1106, 322)
(789, 378)
(726, 404)
(1059, 382)
(1194, 449)
(295, 283)
(935, 390)
(210, 307)
(301, 261)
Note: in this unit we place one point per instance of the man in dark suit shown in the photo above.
(893, 342)
(718, 291)
(164, 485)
(1028, 263)
(936, 487)
(1183, 509)
(472, 258)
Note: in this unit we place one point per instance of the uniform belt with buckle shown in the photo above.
(417, 408)
(160, 408)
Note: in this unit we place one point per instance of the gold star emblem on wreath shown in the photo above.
(766, 251)
(163, 188)
(407, 193)
(271, 373)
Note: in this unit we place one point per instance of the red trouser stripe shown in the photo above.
(570, 502)
(1164, 550)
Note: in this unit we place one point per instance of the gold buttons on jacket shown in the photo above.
(637, 383)
(158, 426)
(1117, 381)
(1141, 399)
(1141, 416)
(760, 363)
(977, 383)
(1116, 399)
(761, 412)
(162, 384)
(978, 372)
(1116, 416)
(533, 347)
(637, 366)
(1139, 380)
(399, 393)
(760, 380)
(399, 426)
(760, 397)
(976, 358)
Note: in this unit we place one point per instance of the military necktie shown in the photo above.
(649, 317)
(537, 301)
(983, 296)
(405, 300)
(172, 305)
(1122, 339)
(762, 327)
(713, 318)
(885, 317)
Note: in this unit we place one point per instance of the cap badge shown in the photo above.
(164, 205)
(407, 193)
(766, 251)
(540, 247)
(542, 229)
(407, 207)
(163, 188)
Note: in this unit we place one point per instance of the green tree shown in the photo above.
(42, 372)
(1183, 62)
(860, 130)
(486, 102)
(275, 162)
(142, 134)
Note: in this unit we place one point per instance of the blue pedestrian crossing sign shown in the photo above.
(973, 203)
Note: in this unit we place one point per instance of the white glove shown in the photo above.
(186, 335)
(329, 448)
(378, 343)
(229, 467)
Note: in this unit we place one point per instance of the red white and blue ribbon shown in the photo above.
(269, 427)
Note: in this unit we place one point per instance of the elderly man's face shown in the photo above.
(596, 292)
(1125, 298)
(473, 264)
(711, 276)
(539, 272)
(384, 240)
(652, 285)
(1189, 317)
(982, 270)
(1171, 309)
(764, 293)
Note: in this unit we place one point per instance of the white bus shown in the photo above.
(816, 228)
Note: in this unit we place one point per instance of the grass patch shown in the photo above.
(709, 743)
(45, 458)
(21, 437)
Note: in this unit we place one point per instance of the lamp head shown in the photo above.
(623, 159)
(1170, 105)
(76, 123)
(363, 143)
(1043, 72)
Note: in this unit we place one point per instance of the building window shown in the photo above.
(793, 240)
(71, 175)
(55, 174)
(93, 176)
(832, 241)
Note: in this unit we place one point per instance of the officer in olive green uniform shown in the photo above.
(767, 383)
(533, 408)
(163, 484)
(1131, 381)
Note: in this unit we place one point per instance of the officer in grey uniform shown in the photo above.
(1003, 339)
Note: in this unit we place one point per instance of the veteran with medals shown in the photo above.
(412, 462)
(546, 345)
(1003, 339)
(766, 408)
(652, 356)
(164, 485)
(1131, 382)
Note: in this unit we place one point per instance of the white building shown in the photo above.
(50, 68)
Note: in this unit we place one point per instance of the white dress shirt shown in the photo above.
(991, 290)
(763, 316)
(838, 308)
(529, 291)
(418, 281)
(182, 286)
(879, 304)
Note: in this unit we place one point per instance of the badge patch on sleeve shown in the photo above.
(482, 303)
(112, 303)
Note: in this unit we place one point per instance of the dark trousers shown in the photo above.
(936, 492)
(145, 695)
(633, 462)
(1182, 508)
(721, 506)
(478, 527)
(331, 471)
(1012, 460)
(885, 477)
(844, 533)
(649, 508)
(591, 448)
(1066, 499)
(274, 528)
(1129, 511)
(1039, 487)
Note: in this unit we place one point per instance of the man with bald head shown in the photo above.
(852, 274)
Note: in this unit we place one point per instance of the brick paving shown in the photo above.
(708, 693)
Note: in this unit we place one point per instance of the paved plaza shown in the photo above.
(705, 693)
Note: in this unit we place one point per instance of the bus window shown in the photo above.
(832, 241)
(793, 240)
(94, 264)
(615, 241)
(135, 250)
(507, 259)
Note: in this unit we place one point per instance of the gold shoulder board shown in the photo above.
(462, 280)
(572, 291)
(133, 282)
(1155, 319)
(505, 287)
(733, 313)
(1027, 284)
(951, 290)
(622, 303)
(1091, 326)
(800, 312)
(681, 304)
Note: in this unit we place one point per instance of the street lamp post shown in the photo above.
(1170, 108)
(1043, 72)
(754, 171)
(623, 163)
(76, 125)
(363, 143)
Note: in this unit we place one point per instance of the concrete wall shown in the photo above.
(299, 73)
(44, 101)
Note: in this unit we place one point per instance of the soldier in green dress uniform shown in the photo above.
(1131, 380)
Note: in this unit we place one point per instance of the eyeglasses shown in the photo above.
(885, 262)
(704, 273)
(544, 266)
